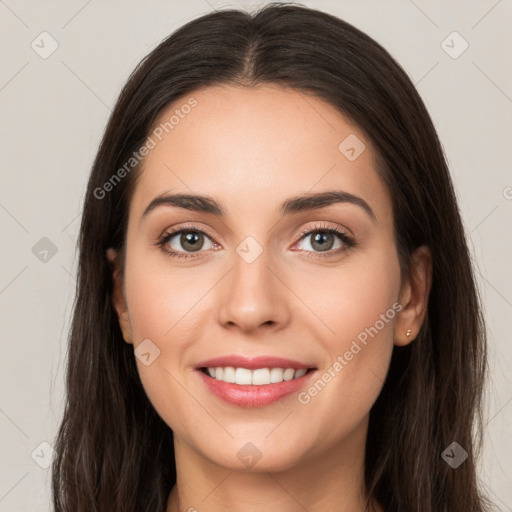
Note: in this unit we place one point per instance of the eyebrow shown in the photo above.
(297, 204)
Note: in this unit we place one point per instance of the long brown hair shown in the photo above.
(114, 453)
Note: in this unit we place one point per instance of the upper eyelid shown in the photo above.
(174, 231)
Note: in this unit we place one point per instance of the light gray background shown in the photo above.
(53, 114)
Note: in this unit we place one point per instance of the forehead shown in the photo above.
(256, 146)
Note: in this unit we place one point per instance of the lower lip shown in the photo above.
(253, 396)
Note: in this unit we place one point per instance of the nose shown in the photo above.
(253, 295)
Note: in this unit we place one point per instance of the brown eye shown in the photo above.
(191, 240)
(182, 242)
(324, 241)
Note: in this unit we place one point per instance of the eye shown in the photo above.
(322, 239)
(183, 242)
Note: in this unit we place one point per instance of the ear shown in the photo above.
(414, 295)
(118, 298)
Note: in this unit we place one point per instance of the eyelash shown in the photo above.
(348, 241)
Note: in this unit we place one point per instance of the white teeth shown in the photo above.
(276, 375)
(300, 373)
(229, 374)
(261, 376)
(242, 376)
(288, 374)
(257, 377)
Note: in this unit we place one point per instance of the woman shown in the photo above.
(275, 306)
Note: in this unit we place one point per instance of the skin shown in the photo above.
(251, 149)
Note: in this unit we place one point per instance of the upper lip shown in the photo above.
(252, 363)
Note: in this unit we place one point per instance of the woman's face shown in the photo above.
(251, 283)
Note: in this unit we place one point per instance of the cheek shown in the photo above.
(159, 296)
(353, 297)
(165, 303)
(159, 305)
(358, 304)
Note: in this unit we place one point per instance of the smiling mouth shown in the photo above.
(254, 377)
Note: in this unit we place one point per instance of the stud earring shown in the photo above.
(408, 333)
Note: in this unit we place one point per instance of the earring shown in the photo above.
(408, 333)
